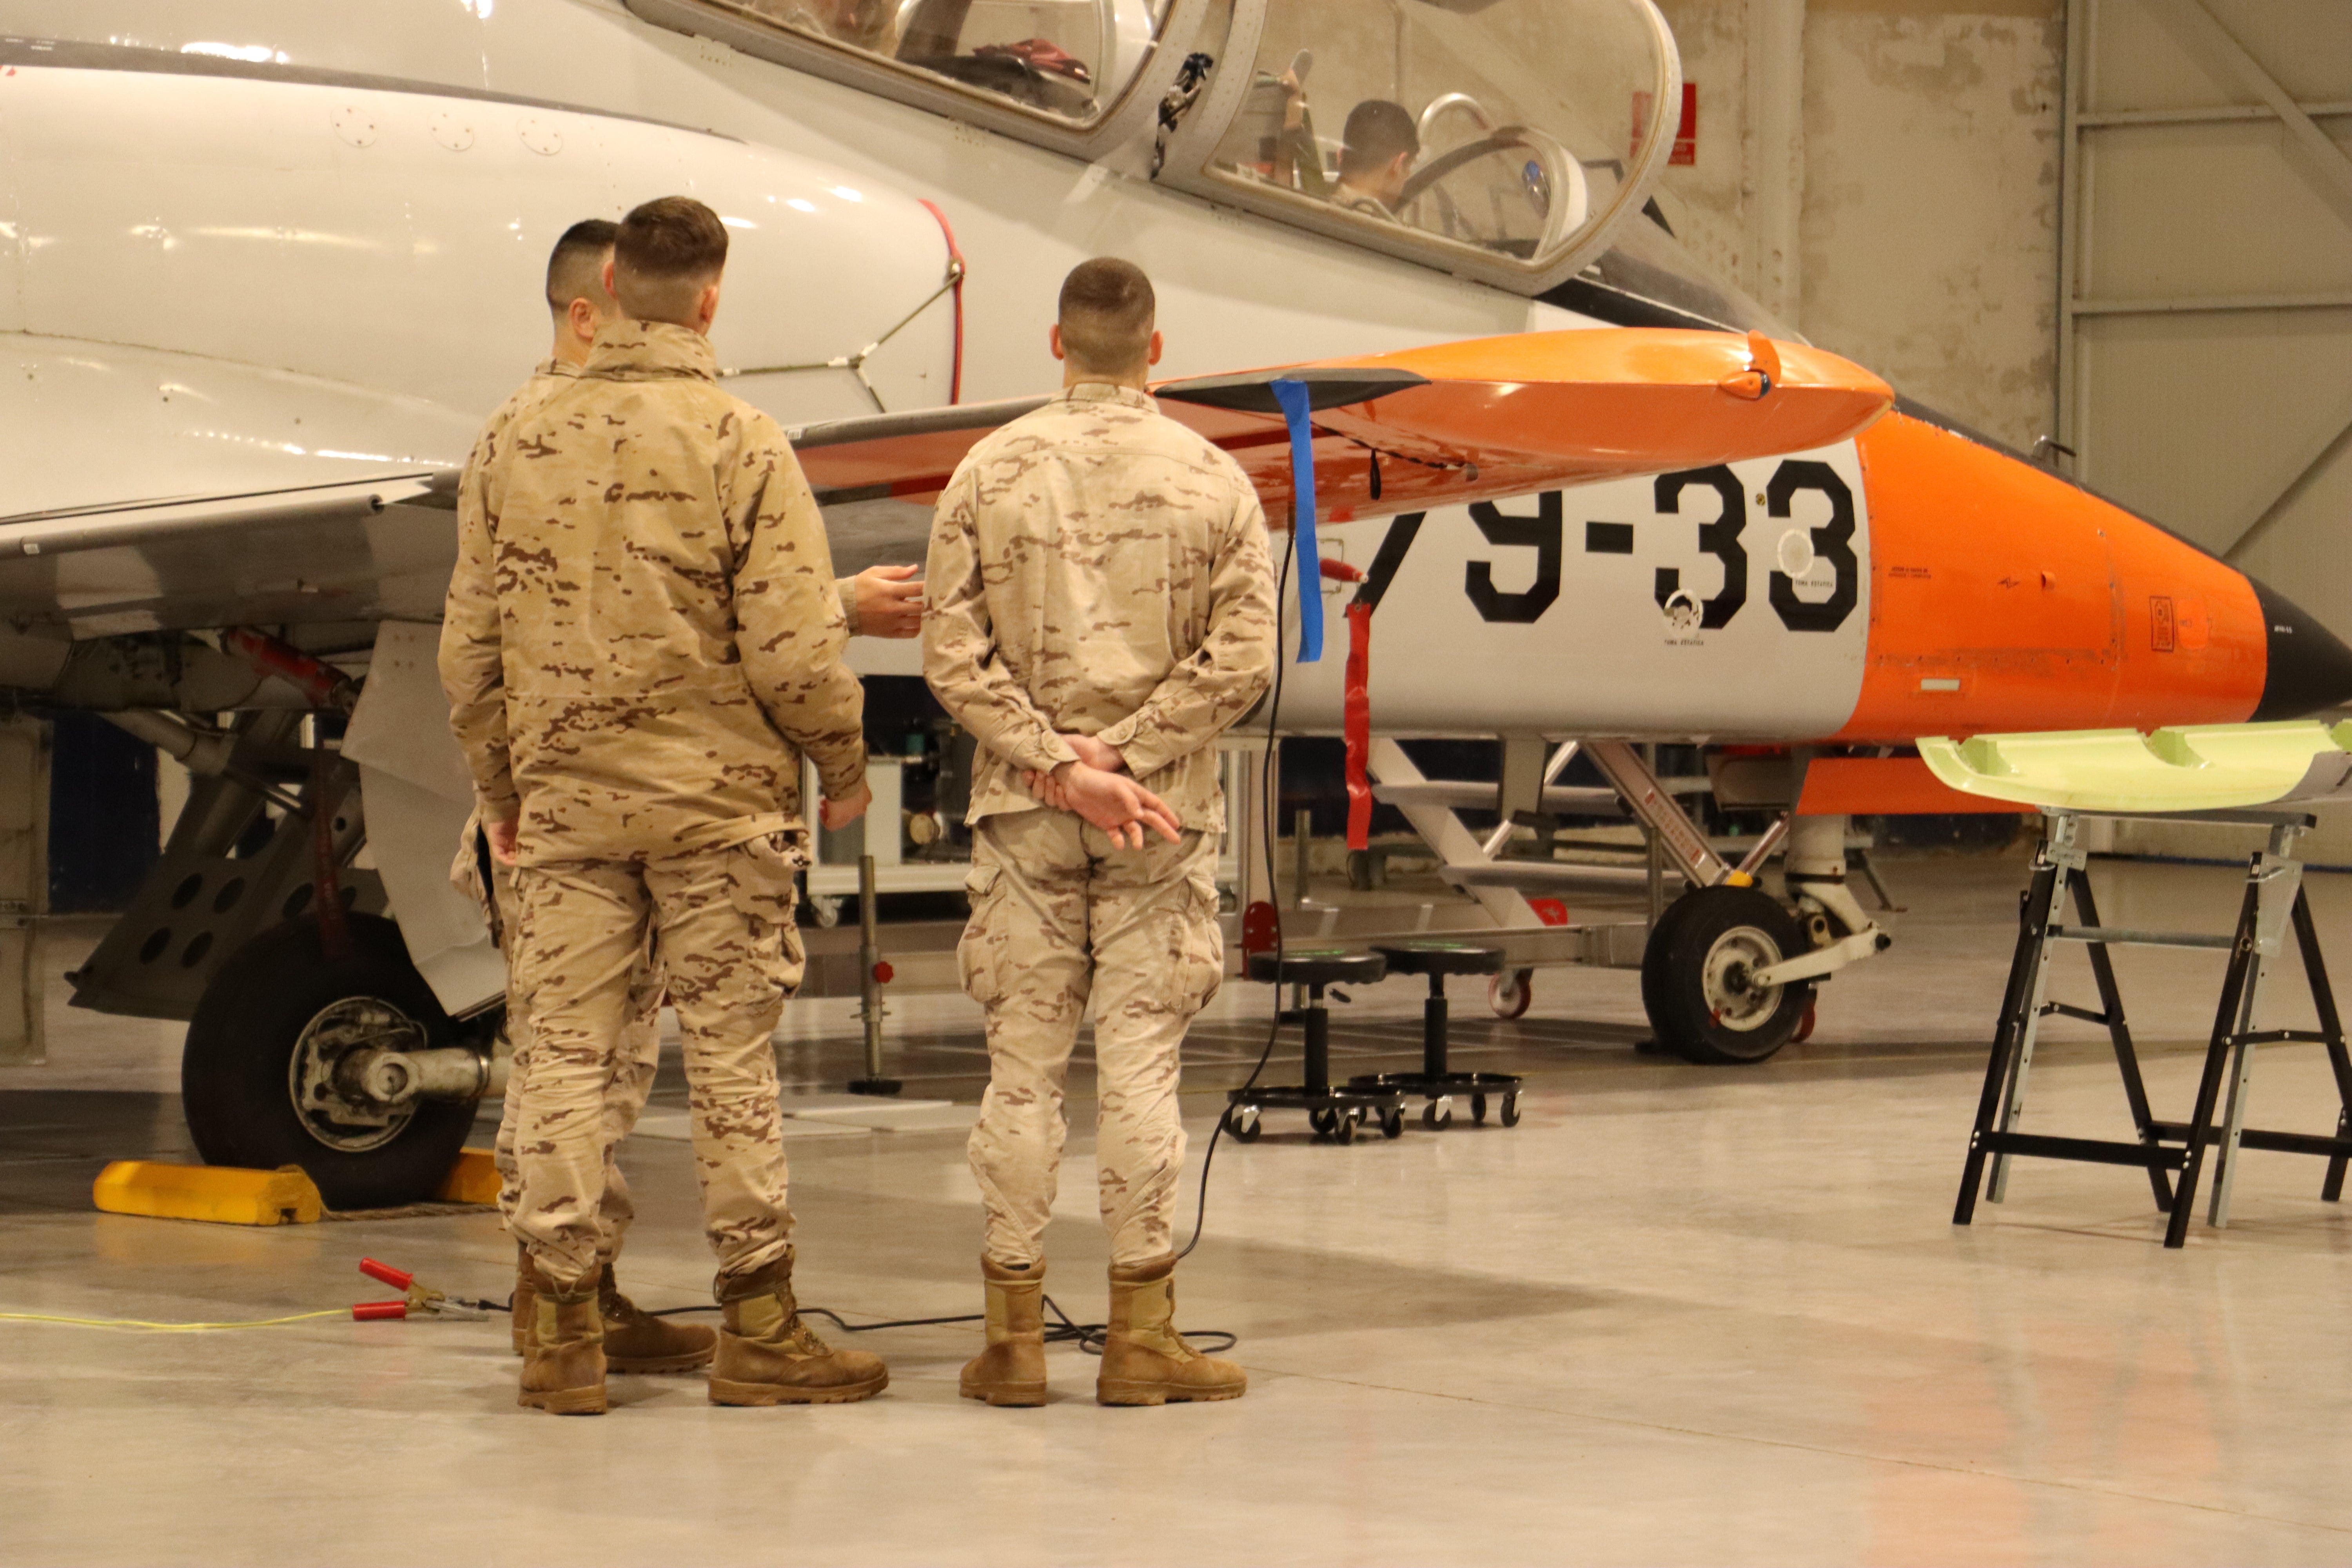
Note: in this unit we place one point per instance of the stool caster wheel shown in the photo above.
(1325, 1122)
(1438, 1115)
(1393, 1123)
(1510, 992)
(1479, 1110)
(1343, 1127)
(1510, 1117)
(1242, 1121)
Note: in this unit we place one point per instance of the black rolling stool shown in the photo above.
(1435, 1080)
(1334, 1111)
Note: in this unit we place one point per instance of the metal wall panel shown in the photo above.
(2206, 277)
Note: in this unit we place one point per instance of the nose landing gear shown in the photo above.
(1699, 976)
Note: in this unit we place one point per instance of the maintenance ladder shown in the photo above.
(2274, 902)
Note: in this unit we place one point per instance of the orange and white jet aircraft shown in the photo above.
(263, 267)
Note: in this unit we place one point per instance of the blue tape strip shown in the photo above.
(1292, 395)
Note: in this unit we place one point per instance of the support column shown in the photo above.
(1775, 174)
(24, 885)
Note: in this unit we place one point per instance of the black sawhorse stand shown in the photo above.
(1436, 1081)
(1334, 1111)
(2274, 901)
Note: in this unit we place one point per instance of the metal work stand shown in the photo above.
(2274, 900)
(1335, 1111)
(1436, 1081)
(872, 975)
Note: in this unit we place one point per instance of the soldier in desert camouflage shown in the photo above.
(1102, 608)
(882, 601)
(643, 633)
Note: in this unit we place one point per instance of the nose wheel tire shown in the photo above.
(266, 1078)
(1696, 983)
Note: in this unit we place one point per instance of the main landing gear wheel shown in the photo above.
(1511, 993)
(266, 1078)
(1696, 970)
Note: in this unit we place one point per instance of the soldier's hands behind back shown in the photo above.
(836, 815)
(1097, 754)
(502, 835)
(890, 601)
(1118, 805)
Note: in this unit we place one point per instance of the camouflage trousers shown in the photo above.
(633, 1073)
(1059, 919)
(633, 1066)
(722, 921)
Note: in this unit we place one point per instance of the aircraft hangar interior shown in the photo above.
(731, 717)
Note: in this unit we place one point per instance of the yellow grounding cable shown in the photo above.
(140, 1325)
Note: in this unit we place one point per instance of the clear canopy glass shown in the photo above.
(1070, 60)
(1511, 129)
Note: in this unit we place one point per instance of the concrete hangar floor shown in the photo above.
(1678, 1314)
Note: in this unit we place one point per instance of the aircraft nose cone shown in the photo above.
(2309, 668)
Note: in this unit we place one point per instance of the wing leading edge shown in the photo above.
(1474, 420)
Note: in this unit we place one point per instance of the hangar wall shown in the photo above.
(2208, 298)
(1884, 174)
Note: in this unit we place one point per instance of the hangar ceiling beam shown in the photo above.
(2196, 303)
(2215, 115)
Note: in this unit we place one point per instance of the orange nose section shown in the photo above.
(2003, 597)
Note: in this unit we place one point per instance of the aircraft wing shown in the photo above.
(150, 490)
(274, 540)
(353, 549)
(1474, 420)
(2188, 768)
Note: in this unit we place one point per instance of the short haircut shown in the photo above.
(1108, 312)
(1377, 131)
(575, 268)
(667, 252)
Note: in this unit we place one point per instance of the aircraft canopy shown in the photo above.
(1497, 139)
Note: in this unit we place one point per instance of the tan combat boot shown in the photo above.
(1145, 1361)
(1011, 1370)
(525, 1302)
(768, 1356)
(637, 1341)
(563, 1365)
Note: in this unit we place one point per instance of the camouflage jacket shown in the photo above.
(1097, 569)
(644, 623)
(549, 377)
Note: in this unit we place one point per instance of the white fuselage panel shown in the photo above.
(1630, 608)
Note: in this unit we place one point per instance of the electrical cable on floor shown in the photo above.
(1089, 1337)
(141, 1325)
(1064, 1330)
(1265, 802)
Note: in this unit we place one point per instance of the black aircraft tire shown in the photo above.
(236, 1085)
(1693, 969)
(1656, 974)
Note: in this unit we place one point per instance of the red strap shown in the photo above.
(1359, 716)
(956, 273)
